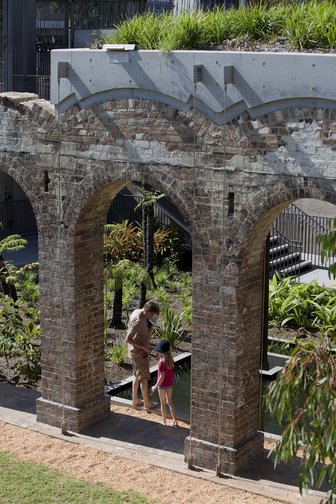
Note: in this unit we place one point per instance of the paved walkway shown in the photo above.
(147, 441)
(321, 277)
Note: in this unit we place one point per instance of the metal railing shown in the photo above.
(100, 14)
(123, 207)
(284, 254)
(296, 225)
(17, 217)
(294, 232)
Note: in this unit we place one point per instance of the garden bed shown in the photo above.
(113, 373)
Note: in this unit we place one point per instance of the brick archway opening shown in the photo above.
(252, 300)
(77, 397)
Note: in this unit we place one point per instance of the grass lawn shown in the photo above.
(31, 483)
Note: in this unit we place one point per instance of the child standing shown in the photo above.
(165, 380)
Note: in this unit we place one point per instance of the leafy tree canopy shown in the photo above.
(304, 399)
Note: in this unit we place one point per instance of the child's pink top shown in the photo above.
(168, 380)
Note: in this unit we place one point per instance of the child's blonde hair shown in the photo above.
(168, 359)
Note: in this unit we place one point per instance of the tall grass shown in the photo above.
(301, 25)
(312, 26)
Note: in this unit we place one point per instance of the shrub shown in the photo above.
(117, 353)
(296, 304)
(171, 329)
(303, 25)
(19, 338)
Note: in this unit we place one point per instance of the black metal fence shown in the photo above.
(102, 14)
(293, 243)
(1, 49)
(301, 231)
(17, 217)
(32, 28)
(123, 207)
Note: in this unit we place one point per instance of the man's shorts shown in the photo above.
(140, 365)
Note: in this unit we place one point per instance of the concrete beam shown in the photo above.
(260, 82)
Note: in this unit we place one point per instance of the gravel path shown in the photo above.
(119, 473)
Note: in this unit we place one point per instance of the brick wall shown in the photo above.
(229, 182)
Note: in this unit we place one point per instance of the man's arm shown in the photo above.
(131, 335)
(135, 344)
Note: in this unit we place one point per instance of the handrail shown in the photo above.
(312, 221)
(292, 244)
(301, 227)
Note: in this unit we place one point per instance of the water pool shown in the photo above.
(181, 396)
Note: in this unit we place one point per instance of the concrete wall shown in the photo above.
(229, 181)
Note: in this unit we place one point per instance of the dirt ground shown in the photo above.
(158, 485)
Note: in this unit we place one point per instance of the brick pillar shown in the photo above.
(71, 281)
(225, 366)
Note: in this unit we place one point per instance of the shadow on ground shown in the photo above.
(139, 431)
(16, 403)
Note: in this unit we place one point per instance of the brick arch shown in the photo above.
(252, 226)
(154, 143)
(260, 211)
(100, 186)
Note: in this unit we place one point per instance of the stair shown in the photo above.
(284, 256)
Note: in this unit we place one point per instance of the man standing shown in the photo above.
(138, 339)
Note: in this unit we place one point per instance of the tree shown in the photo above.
(124, 241)
(12, 243)
(121, 246)
(303, 398)
(328, 251)
(147, 205)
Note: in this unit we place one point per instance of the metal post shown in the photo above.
(264, 322)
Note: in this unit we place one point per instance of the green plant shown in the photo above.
(187, 282)
(299, 304)
(311, 25)
(117, 272)
(258, 22)
(303, 25)
(20, 338)
(280, 347)
(165, 273)
(162, 296)
(10, 324)
(325, 317)
(122, 241)
(11, 243)
(28, 344)
(26, 282)
(303, 398)
(117, 353)
(172, 327)
(185, 298)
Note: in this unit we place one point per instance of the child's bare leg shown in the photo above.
(171, 406)
(163, 402)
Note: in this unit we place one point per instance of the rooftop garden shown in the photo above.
(308, 26)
